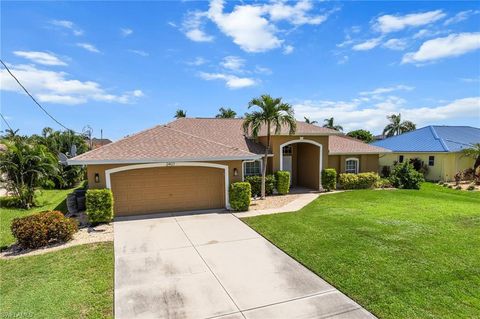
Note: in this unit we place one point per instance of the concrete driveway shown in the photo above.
(214, 266)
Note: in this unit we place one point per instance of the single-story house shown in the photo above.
(188, 164)
(439, 147)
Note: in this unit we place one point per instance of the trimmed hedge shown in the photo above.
(41, 229)
(405, 176)
(329, 179)
(240, 195)
(283, 182)
(99, 204)
(358, 181)
(256, 184)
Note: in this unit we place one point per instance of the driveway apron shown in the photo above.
(214, 266)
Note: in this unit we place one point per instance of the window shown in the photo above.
(287, 150)
(431, 160)
(351, 165)
(400, 159)
(252, 168)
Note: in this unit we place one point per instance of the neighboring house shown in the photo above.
(98, 142)
(439, 147)
(189, 163)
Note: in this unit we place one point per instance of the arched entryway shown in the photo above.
(303, 158)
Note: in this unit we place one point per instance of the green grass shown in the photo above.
(76, 282)
(399, 253)
(48, 200)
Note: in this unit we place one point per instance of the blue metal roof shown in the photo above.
(433, 138)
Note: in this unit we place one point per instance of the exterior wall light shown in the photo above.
(235, 172)
(97, 178)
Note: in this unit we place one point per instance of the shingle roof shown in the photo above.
(204, 139)
(433, 138)
(348, 145)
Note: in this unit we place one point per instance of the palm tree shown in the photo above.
(473, 152)
(397, 127)
(226, 113)
(180, 113)
(329, 123)
(308, 121)
(272, 113)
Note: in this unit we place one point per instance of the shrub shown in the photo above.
(468, 174)
(10, 202)
(99, 204)
(450, 186)
(383, 183)
(329, 179)
(358, 181)
(471, 187)
(283, 182)
(458, 177)
(458, 187)
(48, 184)
(405, 176)
(256, 184)
(41, 229)
(240, 194)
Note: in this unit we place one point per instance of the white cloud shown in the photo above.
(288, 49)
(396, 44)
(295, 14)
(125, 32)
(88, 47)
(66, 24)
(233, 63)
(453, 45)
(391, 23)
(427, 33)
(197, 61)
(461, 16)
(57, 87)
(39, 57)
(343, 59)
(262, 70)
(470, 80)
(193, 26)
(231, 81)
(367, 45)
(354, 115)
(382, 90)
(139, 52)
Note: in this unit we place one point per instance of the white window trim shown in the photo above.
(243, 167)
(353, 159)
(152, 165)
(302, 140)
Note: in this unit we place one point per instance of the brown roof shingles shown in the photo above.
(348, 145)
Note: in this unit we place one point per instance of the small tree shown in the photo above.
(226, 113)
(405, 176)
(473, 152)
(309, 121)
(330, 123)
(362, 135)
(180, 113)
(397, 127)
(23, 167)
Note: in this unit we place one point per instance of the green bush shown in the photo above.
(458, 187)
(283, 182)
(41, 229)
(240, 195)
(10, 202)
(358, 181)
(405, 176)
(383, 183)
(471, 187)
(48, 184)
(329, 179)
(99, 203)
(256, 184)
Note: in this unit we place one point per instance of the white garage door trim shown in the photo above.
(108, 172)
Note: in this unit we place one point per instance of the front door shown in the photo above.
(287, 161)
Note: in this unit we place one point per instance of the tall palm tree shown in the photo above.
(180, 113)
(473, 152)
(308, 121)
(272, 113)
(226, 113)
(397, 127)
(330, 123)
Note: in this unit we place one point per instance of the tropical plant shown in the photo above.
(272, 113)
(23, 166)
(405, 176)
(396, 126)
(473, 152)
(180, 113)
(309, 121)
(226, 113)
(362, 135)
(329, 123)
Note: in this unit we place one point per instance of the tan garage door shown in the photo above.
(167, 189)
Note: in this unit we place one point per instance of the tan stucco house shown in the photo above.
(188, 164)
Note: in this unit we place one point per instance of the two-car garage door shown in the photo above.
(167, 189)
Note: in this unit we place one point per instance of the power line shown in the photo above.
(34, 100)
(6, 122)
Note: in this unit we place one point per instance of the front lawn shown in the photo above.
(49, 200)
(399, 253)
(76, 282)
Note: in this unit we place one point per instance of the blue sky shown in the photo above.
(126, 66)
